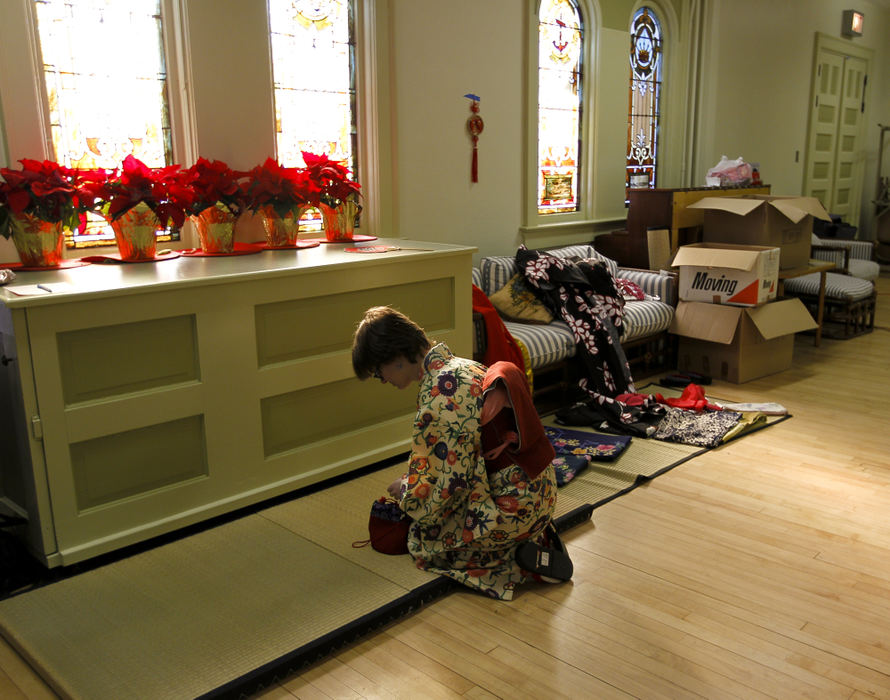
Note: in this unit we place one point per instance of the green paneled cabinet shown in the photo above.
(143, 398)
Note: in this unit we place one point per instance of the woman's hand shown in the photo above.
(395, 488)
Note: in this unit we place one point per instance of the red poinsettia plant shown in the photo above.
(47, 191)
(212, 182)
(163, 190)
(283, 188)
(331, 178)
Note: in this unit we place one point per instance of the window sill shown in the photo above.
(568, 232)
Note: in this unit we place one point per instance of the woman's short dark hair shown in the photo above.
(384, 335)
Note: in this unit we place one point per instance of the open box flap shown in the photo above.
(781, 318)
(734, 205)
(712, 322)
(717, 255)
(796, 208)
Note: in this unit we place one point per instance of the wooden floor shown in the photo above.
(761, 569)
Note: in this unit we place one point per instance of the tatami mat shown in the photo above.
(187, 617)
(221, 610)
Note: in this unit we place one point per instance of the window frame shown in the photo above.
(532, 220)
(368, 154)
(24, 127)
(20, 111)
(660, 105)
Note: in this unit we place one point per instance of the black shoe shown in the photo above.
(550, 560)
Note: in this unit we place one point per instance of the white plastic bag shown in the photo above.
(729, 172)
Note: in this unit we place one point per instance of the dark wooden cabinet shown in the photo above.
(664, 208)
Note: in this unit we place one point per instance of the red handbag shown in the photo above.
(387, 527)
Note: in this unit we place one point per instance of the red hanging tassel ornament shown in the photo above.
(474, 126)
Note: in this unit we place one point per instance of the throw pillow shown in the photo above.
(516, 302)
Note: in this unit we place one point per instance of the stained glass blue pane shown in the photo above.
(645, 91)
(560, 44)
(313, 49)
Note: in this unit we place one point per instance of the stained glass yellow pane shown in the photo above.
(106, 83)
(312, 67)
(313, 53)
(560, 43)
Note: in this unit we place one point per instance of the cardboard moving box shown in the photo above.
(742, 275)
(762, 219)
(737, 344)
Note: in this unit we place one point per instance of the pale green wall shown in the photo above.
(759, 62)
(234, 115)
(755, 65)
(442, 51)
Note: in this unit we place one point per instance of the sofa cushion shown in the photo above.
(546, 345)
(517, 302)
(497, 270)
(554, 342)
(644, 318)
(864, 269)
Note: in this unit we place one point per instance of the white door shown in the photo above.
(835, 162)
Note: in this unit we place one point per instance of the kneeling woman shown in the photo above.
(469, 517)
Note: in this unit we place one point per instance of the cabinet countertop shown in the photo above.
(98, 280)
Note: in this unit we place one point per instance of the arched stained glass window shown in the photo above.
(560, 48)
(645, 94)
(106, 87)
(313, 67)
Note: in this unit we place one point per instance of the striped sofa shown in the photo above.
(646, 322)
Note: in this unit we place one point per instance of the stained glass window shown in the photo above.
(313, 69)
(645, 94)
(560, 43)
(106, 88)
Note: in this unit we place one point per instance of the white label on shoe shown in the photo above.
(545, 558)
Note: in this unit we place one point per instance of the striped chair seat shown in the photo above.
(837, 286)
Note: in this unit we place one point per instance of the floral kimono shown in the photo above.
(467, 523)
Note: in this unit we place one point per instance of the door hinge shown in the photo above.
(36, 428)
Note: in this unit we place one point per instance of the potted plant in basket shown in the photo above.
(282, 195)
(218, 197)
(138, 200)
(339, 195)
(37, 203)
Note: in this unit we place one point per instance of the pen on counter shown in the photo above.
(44, 288)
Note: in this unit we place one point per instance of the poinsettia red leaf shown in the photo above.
(18, 201)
